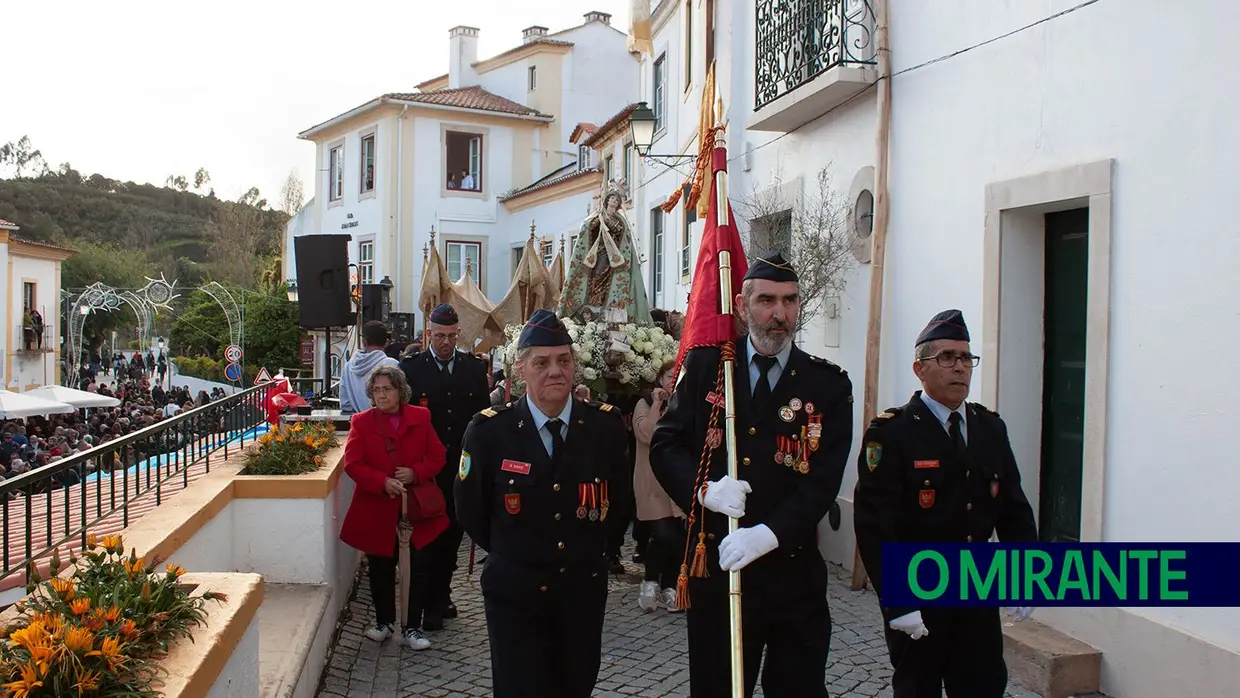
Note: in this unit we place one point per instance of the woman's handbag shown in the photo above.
(426, 500)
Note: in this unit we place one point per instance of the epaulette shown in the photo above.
(984, 408)
(603, 406)
(828, 364)
(885, 415)
(490, 412)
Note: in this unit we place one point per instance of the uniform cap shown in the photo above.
(444, 314)
(772, 268)
(948, 324)
(543, 329)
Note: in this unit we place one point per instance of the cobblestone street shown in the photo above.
(643, 654)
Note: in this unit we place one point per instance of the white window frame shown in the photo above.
(366, 261)
(584, 156)
(475, 161)
(609, 168)
(532, 79)
(657, 220)
(688, 216)
(688, 45)
(628, 169)
(363, 191)
(461, 246)
(659, 94)
(335, 173)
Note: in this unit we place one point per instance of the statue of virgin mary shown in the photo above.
(603, 271)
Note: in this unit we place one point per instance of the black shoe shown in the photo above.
(617, 567)
(432, 622)
(637, 558)
(450, 611)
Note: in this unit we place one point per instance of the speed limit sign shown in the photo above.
(232, 353)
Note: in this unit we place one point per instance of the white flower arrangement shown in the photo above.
(639, 352)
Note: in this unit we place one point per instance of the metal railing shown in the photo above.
(61, 501)
(798, 40)
(34, 338)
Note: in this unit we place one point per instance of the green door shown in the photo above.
(1063, 381)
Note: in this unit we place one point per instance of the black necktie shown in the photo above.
(762, 390)
(953, 421)
(557, 437)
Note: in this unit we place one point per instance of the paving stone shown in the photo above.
(643, 654)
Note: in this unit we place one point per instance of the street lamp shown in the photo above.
(292, 290)
(386, 284)
(641, 130)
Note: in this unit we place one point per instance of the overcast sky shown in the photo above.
(139, 90)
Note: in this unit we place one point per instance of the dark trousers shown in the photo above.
(383, 586)
(963, 653)
(785, 613)
(546, 644)
(443, 553)
(664, 551)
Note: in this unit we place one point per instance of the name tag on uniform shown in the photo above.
(514, 466)
(925, 464)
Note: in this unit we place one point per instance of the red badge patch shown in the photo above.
(512, 503)
(424, 402)
(925, 498)
(925, 464)
(994, 488)
(515, 466)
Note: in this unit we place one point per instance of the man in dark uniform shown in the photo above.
(940, 470)
(452, 384)
(541, 482)
(793, 437)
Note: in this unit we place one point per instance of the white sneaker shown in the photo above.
(648, 598)
(379, 633)
(668, 601)
(416, 640)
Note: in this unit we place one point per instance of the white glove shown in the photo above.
(912, 624)
(745, 545)
(1017, 614)
(726, 496)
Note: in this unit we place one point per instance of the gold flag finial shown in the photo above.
(432, 236)
(532, 227)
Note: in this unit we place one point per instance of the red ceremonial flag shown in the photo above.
(705, 323)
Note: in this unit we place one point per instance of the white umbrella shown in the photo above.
(16, 405)
(73, 396)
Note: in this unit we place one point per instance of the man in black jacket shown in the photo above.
(793, 438)
(452, 384)
(940, 470)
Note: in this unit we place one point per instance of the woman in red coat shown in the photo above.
(391, 446)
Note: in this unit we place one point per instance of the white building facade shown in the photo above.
(1043, 179)
(32, 283)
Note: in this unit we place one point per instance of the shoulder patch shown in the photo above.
(488, 413)
(885, 415)
(605, 407)
(828, 364)
(984, 408)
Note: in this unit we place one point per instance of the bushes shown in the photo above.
(100, 632)
(291, 449)
(202, 367)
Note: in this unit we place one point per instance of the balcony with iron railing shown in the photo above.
(34, 339)
(810, 57)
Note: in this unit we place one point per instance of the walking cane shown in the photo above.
(404, 529)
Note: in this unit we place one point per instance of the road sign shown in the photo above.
(233, 354)
(232, 372)
(262, 377)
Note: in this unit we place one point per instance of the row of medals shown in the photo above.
(592, 494)
(810, 435)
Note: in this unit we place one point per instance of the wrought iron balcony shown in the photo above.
(800, 40)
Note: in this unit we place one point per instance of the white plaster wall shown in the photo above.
(1055, 96)
(239, 677)
(298, 225)
(509, 81)
(600, 77)
(210, 549)
(561, 217)
(33, 368)
(339, 217)
(285, 540)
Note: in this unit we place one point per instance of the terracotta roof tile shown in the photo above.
(535, 42)
(473, 97)
(610, 124)
(8, 224)
(583, 129)
(551, 181)
(48, 245)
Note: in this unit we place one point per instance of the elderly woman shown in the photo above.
(391, 448)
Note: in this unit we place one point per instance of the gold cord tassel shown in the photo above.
(699, 558)
(682, 589)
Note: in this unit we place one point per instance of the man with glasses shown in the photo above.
(940, 470)
(452, 384)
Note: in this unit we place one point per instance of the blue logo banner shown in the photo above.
(1061, 574)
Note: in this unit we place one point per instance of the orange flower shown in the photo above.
(64, 587)
(113, 544)
(135, 567)
(32, 635)
(112, 615)
(146, 591)
(92, 541)
(128, 629)
(175, 570)
(79, 606)
(27, 683)
(79, 640)
(110, 651)
(87, 680)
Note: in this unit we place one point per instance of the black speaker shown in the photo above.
(323, 280)
(372, 303)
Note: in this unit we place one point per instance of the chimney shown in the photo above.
(533, 33)
(598, 17)
(463, 53)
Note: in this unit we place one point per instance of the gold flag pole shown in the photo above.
(729, 422)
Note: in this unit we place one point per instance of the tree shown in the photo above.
(292, 194)
(22, 156)
(177, 182)
(201, 179)
(811, 230)
(234, 249)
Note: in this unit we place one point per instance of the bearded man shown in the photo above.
(793, 436)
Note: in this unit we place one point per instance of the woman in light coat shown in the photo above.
(664, 520)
